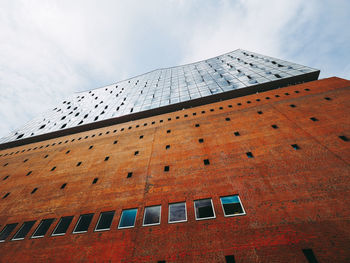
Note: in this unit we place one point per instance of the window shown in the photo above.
(136, 153)
(250, 155)
(23, 231)
(295, 146)
(260, 112)
(197, 125)
(6, 195)
(91, 146)
(43, 227)
(105, 221)
(128, 218)
(152, 215)
(129, 175)
(206, 161)
(5, 177)
(200, 140)
(227, 119)
(344, 138)
(67, 151)
(7, 231)
(53, 168)
(115, 142)
(274, 126)
(28, 173)
(166, 168)
(83, 223)
(292, 105)
(313, 119)
(230, 259)
(34, 190)
(236, 133)
(62, 226)
(79, 163)
(327, 98)
(204, 209)
(168, 131)
(310, 256)
(167, 147)
(95, 181)
(106, 158)
(232, 205)
(141, 136)
(63, 185)
(177, 212)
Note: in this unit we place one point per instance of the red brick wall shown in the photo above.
(294, 199)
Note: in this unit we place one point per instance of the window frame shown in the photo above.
(179, 221)
(222, 206)
(6, 226)
(59, 222)
(120, 219)
(20, 229)
(37, 228)
(195, 212)
(160, 216)
(98, 221)
(76, 225)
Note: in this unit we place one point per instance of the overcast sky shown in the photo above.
(51, 49)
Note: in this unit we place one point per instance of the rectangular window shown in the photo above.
(43, 228)
(310, 256)
(105, 221)
(128, 218)
(230, 259)
(7, 231)
(23, 231)
(177, 212)
(152, 215)
(83, 223)
(204, 209)
(62, 226)
(232, 205)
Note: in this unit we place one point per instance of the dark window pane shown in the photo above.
(62, 226)
(105, 221)
(152, 215)
(230, 259)
(43, 227)
(23, 231)
(83, 223)
(231, 205)
(7, 231)
(128, 218)
(204, 209)
(177, 212)
(310, 256)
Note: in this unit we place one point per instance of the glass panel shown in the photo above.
(152, 215)
(43, 227)
(177, 212)
(128, 218)
(23, 231)
(231, 205)
(105, 221)
(7, 231)
(62, 226)
(83, 223)
(204, 209)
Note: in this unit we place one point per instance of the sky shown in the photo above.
(51, 49)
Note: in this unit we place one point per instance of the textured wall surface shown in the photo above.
(294, 199)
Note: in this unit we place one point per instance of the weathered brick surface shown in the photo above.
(294, 199)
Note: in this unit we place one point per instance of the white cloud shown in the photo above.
(50, 49)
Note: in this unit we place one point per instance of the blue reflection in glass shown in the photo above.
(229, 199)
(128, 218)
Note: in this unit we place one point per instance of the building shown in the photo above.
(238, 158)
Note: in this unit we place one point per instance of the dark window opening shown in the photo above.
(64, 125)
(29, 173)
(274, 126)
(5, 177)
(257, 99)
(227, 119)
(248, 101)
(194, 114)
(230, 259)
(42, 127)
(46, 156)
(239, 104)
(185, 115)
(167, 147)
(169, 119)
(160, 120)
(129, 175)
(79, 163)
(327, 98)
(7, 230)
(136, 153)
(204, 209)
(53, 168)
(260, 112)
(221, 108)
(168, 131)
(95, 181)
(83, 223)
(141, 136)
(105, 221)
(295, 146)
(34, 190)
(6, 195)
(292, 105)
(63, 185)
(197, 125)
(230, 106)
(267, 98)
(277, 96)
(201, 140)
(166, 168)
(161, 261)
(236, 133)
(43, 228)
(206, 161)
(307, 89)
(344, 138)
(296, 91)
(249, 154)
(62, 226)
(310, 256)
(287, 94)
(90, 147)
(67, 151)
(313, 119)
(25, 160)
(23, 231)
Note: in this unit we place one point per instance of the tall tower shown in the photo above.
(237, 158)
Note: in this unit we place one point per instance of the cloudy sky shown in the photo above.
(51, 49)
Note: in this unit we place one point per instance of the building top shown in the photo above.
(234, 74)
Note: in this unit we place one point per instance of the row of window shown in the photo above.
(145, 124)
(204, 209)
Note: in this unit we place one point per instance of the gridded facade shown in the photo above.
(163, 87)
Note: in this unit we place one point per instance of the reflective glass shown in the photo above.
(42, 228)
(23, 231)
(7, 231)
(152, 215)
(232, 205)
(105, 221)
(128, 218)
(83, 223)
(177, 212)
(204, 209)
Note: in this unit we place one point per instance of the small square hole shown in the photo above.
(203, 111)
(248, 101)
(95, 181)
(63, 185)
(295, 146)
(236, 133)
(307, 89)
(277, 96)
(79, 163)
(160, 120)
(46, 156)
(30, 173)
(136, 153)
(260, 112)
(206, 161)
(227, 119)
(141, 136)
(166, 168)
(67, 151)
(230, 259)
(230, 106)
(91, 146)
(211, 110)
(153, 122)
(313, 119)
(177, 117)
(185, 115)
(287, 94)
(168, 131)
(239, 104)
(201, 140)
(129, 175)
(327, 98)
(194, 114)
(344, 138)
(106, 158)
(25, 160)
(250, 155)
(34, 190)
(115, 142)
(197, 125)
(257, 99)
(292, 106)
(53, 168)
(274, 126)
